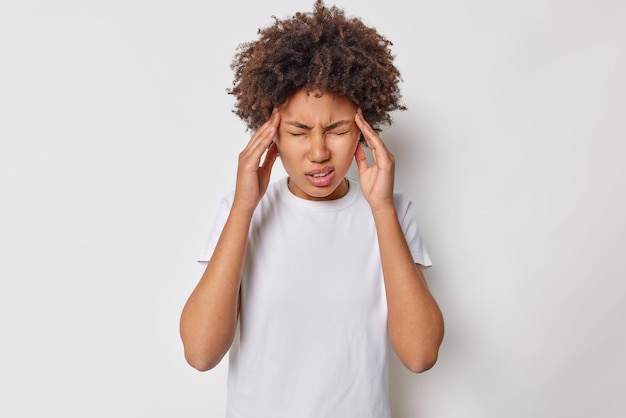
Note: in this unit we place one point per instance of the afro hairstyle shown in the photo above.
(322, 51)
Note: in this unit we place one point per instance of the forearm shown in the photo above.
(414, 319)
(209, 318)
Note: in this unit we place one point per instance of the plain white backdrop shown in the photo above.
(117, 141)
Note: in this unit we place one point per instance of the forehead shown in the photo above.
(329, 106)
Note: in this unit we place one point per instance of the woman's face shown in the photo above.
(317, 138)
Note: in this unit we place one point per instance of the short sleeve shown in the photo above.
(409, 224)
(214, 235)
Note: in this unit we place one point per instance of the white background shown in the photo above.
(117, 141)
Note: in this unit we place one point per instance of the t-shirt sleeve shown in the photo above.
(409, 224)
(220, 220)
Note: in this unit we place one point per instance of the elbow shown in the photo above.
(201, 355)
(422, 362)
(201, 362)
(202, 352)
(419, 356)
(425, 352)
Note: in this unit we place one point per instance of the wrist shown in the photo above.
(383, 210)
(242, 210)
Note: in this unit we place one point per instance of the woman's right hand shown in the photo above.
(252, 176)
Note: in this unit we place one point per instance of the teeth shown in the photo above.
(320, 175)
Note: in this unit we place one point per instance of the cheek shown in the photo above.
(345, 148)
(286, 151)
(279, 144)
(353, 142)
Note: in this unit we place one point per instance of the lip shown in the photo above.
(321, 177)
(321, 170)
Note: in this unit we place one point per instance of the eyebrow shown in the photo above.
(326, 128)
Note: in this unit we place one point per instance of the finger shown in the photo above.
(371, 137)
(361, 159)
(264, 136)
(267, 132)
(270, 158)
(380, 153)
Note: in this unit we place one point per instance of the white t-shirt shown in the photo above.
(312, 338)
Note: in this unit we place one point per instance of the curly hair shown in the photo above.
(321, 50)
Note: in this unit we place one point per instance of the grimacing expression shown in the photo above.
(317, 138)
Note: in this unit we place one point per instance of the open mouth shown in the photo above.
(316, 175)
(320, 172)
(321, 177)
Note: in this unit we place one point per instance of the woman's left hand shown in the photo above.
(377, 180)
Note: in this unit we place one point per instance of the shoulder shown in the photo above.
(275, 188)
(272, 194)
(401, 201)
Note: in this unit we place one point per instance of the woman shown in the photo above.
(309, 277)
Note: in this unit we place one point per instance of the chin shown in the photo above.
(318, 193)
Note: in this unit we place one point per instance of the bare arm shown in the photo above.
(209, 318)
(415, 321)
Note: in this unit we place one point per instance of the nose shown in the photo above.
(318, 151)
